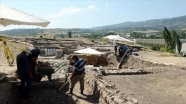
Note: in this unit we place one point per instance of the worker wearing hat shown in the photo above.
(23, 70)
(26, 62)
(32, 57)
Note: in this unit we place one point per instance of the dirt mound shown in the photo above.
(132, 62)
(112, 60)
(92, 59)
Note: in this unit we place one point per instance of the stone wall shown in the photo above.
(107, 93)
(127, 71)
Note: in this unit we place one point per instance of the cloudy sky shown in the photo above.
(92, 13)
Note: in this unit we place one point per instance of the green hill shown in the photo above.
(21, 32)
(156, 24)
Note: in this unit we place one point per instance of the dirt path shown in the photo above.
(162, 58)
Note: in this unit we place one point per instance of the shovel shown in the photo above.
(58, 68)
(58, 90)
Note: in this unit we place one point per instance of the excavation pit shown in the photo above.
(42, 92)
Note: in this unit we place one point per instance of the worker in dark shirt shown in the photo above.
(24, 71)
(32, 57)
(26, 63)
(125, 47)
(78, 74)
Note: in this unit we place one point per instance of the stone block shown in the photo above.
(118, 101)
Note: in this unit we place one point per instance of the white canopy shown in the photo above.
(89, 51)
(117, 37)
(10, 16)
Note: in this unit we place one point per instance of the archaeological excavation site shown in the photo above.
(133, 78)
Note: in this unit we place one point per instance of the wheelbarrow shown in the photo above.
(48, 71)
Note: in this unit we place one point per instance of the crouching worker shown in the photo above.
(24, 71)
(32, 57)
(78, 74)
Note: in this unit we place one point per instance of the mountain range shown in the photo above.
(155, 24)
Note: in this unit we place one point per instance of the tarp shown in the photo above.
(89, 51)
(117, 37)
(10, 16)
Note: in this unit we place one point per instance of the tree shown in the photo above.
(172, 41)
(168, 41)
(70, 34)
(177, 42)
(62, 36)
(183, 35)
(41, 36)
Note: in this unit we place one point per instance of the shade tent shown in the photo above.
(117, 37)
(89, 51)
(126, 40)
(113, 37)
(10, 16)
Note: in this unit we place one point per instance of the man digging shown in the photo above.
(77, 75)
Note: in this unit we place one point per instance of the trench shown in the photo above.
(42, 92)
(97, 91)
(47, 93)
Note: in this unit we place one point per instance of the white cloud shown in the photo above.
(71, 11)
(65, 11)
(106, 5)
(91, 7)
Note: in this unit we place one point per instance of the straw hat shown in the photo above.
(28, 49)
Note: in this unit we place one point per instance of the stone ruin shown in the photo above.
(101, 90)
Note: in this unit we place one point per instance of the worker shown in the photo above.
(131, 50)
(125, 47)
(120, 50)
(32, 57)
(24, 71)
(78, 74)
